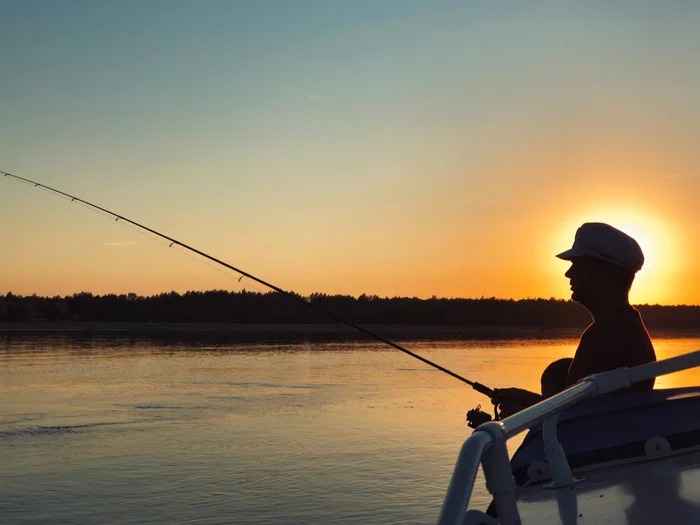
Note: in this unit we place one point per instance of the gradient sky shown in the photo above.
(390, 147)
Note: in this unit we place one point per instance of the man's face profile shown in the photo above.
(591, 278)
(581, 278)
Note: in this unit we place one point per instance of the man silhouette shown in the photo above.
(604, 262)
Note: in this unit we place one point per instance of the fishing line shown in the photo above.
(475, 385)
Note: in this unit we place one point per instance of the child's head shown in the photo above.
(553, 378)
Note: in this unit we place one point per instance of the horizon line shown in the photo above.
(356, 297)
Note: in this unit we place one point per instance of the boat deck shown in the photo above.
(654, 491)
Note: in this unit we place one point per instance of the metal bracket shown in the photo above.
(556, 457)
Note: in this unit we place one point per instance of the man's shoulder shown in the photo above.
(625, 336)
(592, 332)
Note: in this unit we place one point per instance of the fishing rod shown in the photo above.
(482, 389)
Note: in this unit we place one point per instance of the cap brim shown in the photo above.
(569, 254)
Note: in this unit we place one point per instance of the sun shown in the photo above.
(654, 283)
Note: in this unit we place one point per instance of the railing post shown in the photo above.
(556, 458)
(499, 475)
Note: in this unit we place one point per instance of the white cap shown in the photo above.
(607, 243)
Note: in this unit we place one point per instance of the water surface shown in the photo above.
(117, 429)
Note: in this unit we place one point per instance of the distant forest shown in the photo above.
(219, 306)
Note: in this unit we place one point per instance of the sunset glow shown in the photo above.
(654, 283)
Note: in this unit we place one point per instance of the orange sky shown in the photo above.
(450, 151)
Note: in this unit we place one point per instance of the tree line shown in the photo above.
(246, 307)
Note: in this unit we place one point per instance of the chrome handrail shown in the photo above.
(487, 444)
(463, 477)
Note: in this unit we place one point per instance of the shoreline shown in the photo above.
(311, 330)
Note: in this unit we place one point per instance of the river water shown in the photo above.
(115, 428)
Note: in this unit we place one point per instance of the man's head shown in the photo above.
(604, 262)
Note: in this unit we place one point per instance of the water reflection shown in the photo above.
(180, 336)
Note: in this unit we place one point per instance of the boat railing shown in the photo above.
(486, 447)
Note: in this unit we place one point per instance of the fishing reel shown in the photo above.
(476, 416)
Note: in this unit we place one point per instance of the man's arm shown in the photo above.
(512, 400)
